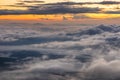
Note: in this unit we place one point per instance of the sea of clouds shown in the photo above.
(60, 54)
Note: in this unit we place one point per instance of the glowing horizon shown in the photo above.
(23, 10)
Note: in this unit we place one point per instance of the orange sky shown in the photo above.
(56, 17)
(5, 4)
(59, 17)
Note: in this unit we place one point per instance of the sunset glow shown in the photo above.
(59, 39)
(23, 10)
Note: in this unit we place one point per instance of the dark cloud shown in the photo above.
(20, 4)
(33, 1)
(74, 3)
(55, 8)
(51, 10)
(109, 2)
(113, 12)
(64, 18)
(80, 17)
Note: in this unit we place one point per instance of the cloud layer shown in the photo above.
(84, 54)
(37, 7)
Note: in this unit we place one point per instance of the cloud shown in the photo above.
(40, 7)
(109, 2)
(26, 2)
(60, 60)
(113, 12)
(31, 1)
(55, 8)
(61, 9)
(80, 17)
(50, 10)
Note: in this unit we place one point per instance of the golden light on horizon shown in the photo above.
(102, 16)
(58, 17)
(36, 17)
(25, 8)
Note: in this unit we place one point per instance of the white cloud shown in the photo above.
(94, 58)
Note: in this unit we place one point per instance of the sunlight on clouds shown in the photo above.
(86, 0)
(59, 17)
(7, 2)
(12, 8)
(102, 16)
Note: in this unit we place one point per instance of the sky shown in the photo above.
(63, 38)
(59, 10)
